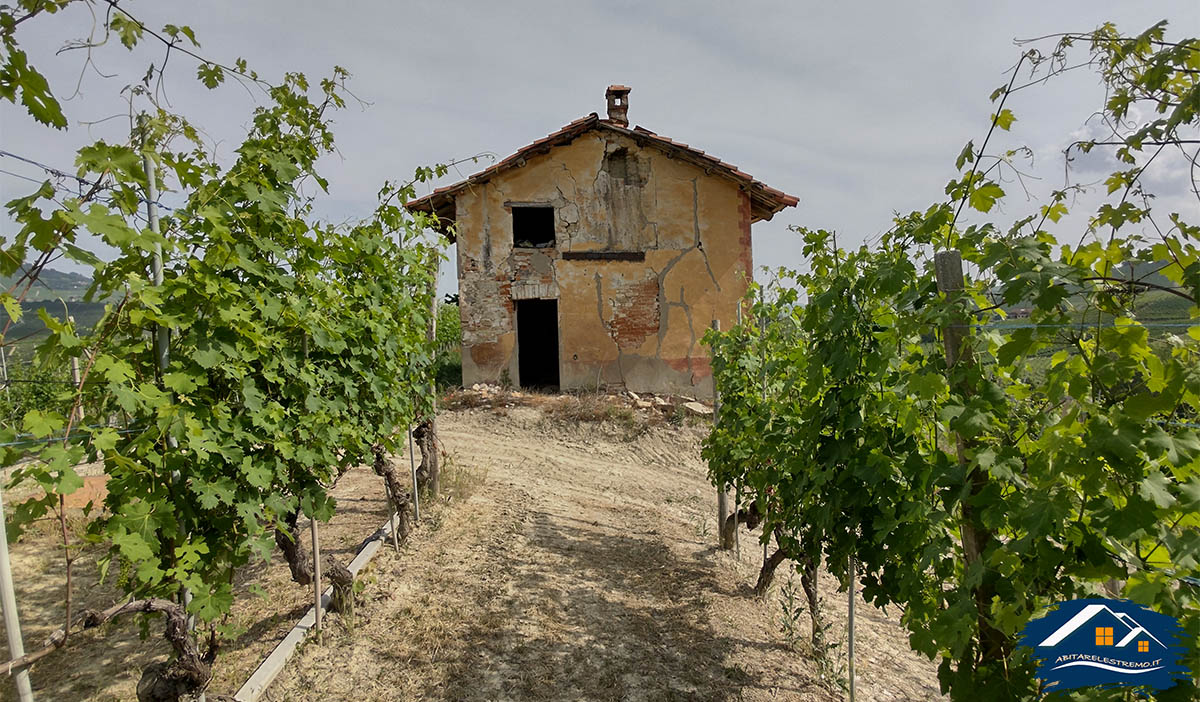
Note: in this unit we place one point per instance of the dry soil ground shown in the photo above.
(582, 567)
(575, 561)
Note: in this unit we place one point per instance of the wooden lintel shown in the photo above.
(604, 255)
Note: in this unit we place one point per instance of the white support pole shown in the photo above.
(77, 414)
(161, 341)
(737, 541)
(722, 493)
(391, 506)
(316, 549)
(4, 369)
(850, 626)
(412, 462)
(8, 597)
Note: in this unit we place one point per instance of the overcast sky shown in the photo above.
(859, 109)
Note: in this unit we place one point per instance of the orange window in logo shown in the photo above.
(1143, 646)
(1104, 636)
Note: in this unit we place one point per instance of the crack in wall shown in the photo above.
(600, 315)
(564, 204)
(699, 245)
(487, 229)
(687, 311)
(663, 303)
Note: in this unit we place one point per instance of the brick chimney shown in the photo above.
(618, 104)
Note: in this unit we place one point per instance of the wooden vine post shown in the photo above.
(975, 537)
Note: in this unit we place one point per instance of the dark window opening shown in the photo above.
(533, 227)
(537, 343)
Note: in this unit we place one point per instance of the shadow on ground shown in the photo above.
(593, 613)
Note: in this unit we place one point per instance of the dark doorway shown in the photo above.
(537, 343)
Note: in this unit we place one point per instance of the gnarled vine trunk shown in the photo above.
(342, 600)
(182, 677)
(429, 472)
(401, 498)
(808, 582)
(288, 540)
(767, 575)
(748, 516)
(808, 568)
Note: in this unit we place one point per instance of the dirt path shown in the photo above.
(581, 567)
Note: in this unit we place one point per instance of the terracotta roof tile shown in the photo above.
(768, 199)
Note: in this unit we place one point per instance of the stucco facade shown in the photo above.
(649, 247)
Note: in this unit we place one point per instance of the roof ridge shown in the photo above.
(770, 200)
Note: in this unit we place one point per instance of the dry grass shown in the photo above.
(613, 411)
(460, 482)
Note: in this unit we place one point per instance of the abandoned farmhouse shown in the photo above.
(598, 255)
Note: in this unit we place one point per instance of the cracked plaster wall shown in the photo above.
(634, 324)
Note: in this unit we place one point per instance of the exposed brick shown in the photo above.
(635, 313)
(746, 255)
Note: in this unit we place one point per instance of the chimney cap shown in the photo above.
(617, 89)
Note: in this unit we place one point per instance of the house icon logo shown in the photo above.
(1106, 643)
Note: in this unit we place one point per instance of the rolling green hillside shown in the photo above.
(60, 295)
(53, 285)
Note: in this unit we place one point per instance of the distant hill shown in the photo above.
(52, 285)
(1146, 272)
(58, 285)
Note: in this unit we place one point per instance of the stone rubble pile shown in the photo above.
(642, 401)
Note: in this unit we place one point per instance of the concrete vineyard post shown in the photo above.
(77, 414)
(412, 462)
(722, 495)
(387, 491)
(737, 541)
(948, 270)
(162, 341)
(316, 549)
(4, 370)
(850, 627)
(434, 464)
(949, 273)
(8, 598)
